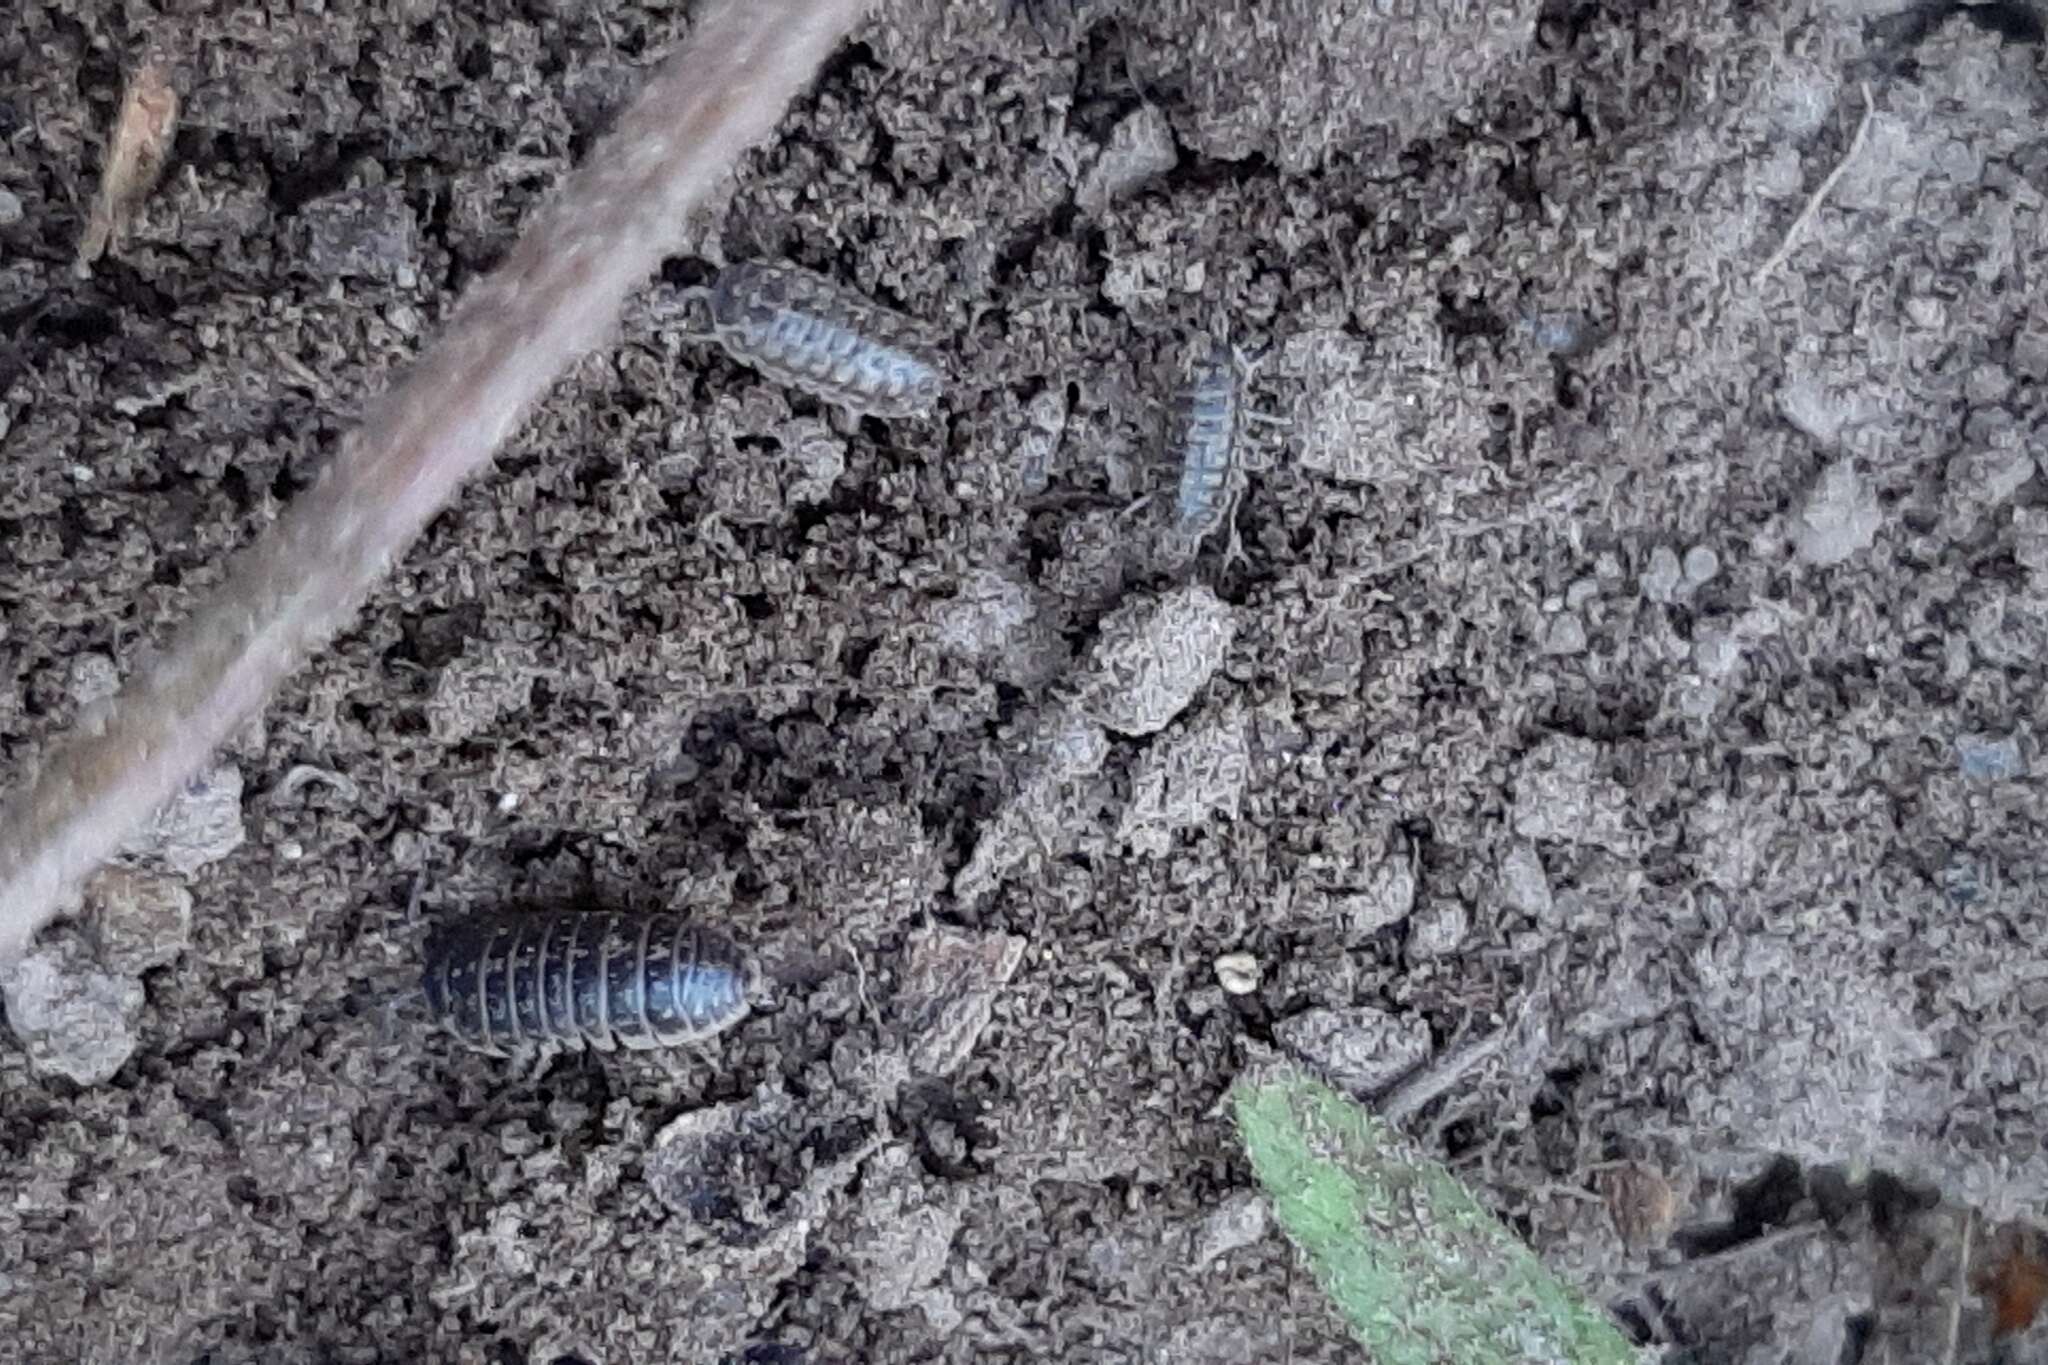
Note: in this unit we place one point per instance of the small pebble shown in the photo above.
(10, 208)
(1239, 1221)
(1988, 478)
(1698, 701)
(1988, 758)
(200, 825)
(1566, 635)
(1988, 383)
(1840, 517)
(1702, 566)
(1715, 652)
(1072, 745)
(1153, 656)
(988, 609)
(370, 233)
(74, 1018)
(1360, 1050)
(1564, 795)
(1659, 581)
(93, 678)
(141, 919)
(1181, 780)
(2030, 354)
(1237, 973)
(1386, 897)
(1140, 149)
(1927, 313)
(1038, 445)
(1438, 929)
(1523, 883)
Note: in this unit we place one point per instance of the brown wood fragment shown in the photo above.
(136, 152)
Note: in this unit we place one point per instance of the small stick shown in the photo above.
(1435, 1078)
(1756, 1246)
(1820, 195)
(1955, 1309)
(1422, 1085)
(552, 300)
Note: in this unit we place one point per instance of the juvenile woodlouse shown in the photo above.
(1213, 457)
(605, 981)
(1564, 334)
(801, 329)
(1208, 466)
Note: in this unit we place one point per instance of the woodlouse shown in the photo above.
(1208, 465)
(803, 330)
(581, 978)
(1213, 456)
(1563, 334)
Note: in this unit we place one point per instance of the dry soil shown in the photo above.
(1633, 643)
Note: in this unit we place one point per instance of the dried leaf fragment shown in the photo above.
(2015, 1283)
(1641, 1202)
(950, 994)
(135, 157)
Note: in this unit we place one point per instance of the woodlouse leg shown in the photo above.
(1253, 461)
(479, 987)
(1044, 843)
(535, 1060)
(692, 315)
(1233, 553)
(1247, 367)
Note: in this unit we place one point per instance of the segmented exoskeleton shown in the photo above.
(803, 330)
(1213, 454)
(600, 980)
(1208, 462)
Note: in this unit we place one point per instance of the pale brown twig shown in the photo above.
(549, 303)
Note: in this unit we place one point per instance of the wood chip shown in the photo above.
(136, 153)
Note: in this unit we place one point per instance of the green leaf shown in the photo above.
(1426, 1275)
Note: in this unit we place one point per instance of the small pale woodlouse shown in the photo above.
(1212, 453)
(801, 329)
(585, 978)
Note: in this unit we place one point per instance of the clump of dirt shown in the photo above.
(1635, 643)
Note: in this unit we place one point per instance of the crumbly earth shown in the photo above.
(1636, 633)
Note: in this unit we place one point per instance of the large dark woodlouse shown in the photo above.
(581, 978)
(801, 329)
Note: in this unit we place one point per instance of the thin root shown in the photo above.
(1820, 195)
